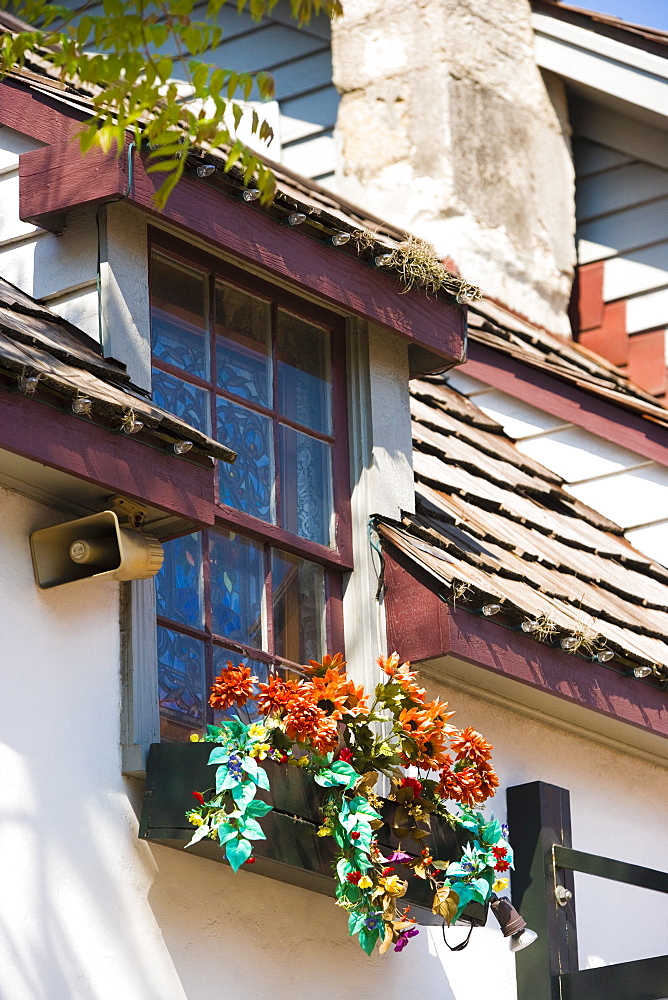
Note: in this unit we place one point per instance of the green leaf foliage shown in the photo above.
(116, 53)
(237, 851)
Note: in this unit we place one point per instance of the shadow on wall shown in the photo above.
(250, 937)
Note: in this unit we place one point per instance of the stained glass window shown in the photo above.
(256, 368)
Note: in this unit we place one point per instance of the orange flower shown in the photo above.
(338, 696)
(276, 695)
(305, 721)
(317, 668)
(403, 676)
(232, 685)
(471, 745)
(426, 726)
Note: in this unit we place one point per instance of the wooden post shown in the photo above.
(539, 817)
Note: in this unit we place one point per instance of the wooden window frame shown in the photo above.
(336, 559)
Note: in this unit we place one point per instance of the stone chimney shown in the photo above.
(447, 128)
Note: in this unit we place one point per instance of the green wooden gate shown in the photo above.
(540, 824)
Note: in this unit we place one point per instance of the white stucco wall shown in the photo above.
(87, 912)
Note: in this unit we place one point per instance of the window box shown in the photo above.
(292, 852)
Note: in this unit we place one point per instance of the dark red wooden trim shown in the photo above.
(47, 177)
(53, 183)
(120, 464)
(37, 115)
(568, 403)
(420, 626)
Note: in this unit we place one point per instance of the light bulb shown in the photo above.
(82, 405)
(206, 169)
(296, 218)
(605, 655)
(132, 426)
(491, 609)
(28, 384)
(338, 239)
(252, 194)
(529, 626)
(382, 260)
(181, 447)
(522, 940)
(642, 671)
(568, 642)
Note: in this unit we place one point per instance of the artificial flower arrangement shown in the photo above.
(346, 739)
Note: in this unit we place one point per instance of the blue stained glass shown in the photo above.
(221, 657)
(179, 590)
(183, 399)
(181, 677)
(237, 588)
(304, 393)
(178, 316)
(248, 483)
(243, 352)
(306, 486)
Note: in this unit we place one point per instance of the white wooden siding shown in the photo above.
(619, 483)
(61, 270)
(299, 59)
(621, 168)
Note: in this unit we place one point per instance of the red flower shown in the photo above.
(199, 797)
(501, 866)
(355, 835)
(354, 877)
(499, 853)
(249, 861)
(414, 784)
(345, 754)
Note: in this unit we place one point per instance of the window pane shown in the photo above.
(248, 483)
(183, 399)
(243, 345)
(178, 317)
(299, 607)
(306, 486)
(237, 588)
(181, 678)
(221, 657)
(304, 394)
(179, 591)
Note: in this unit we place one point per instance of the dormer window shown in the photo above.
(264, 372)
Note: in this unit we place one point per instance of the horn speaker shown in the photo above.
(91, 548)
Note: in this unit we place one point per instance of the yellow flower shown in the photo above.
(194, 738)
(257, 732)
(324, 831)
(195, 819)
(500, 885)
(394, 885)
(259, 751)
(365, 882)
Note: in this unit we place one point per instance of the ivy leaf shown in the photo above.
(225, 780)
(446, 902)
(226, 832)
(252, 829)
(355, 921)
(343, 868)
(368, 938)
(243, 794)
(262, 779)
(219, 755)
(238, 851)
(258, 808)
(199, 834)
(249, 765)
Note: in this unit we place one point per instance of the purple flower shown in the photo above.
(374, 921)
(504, 830)
(404, 937)
(400, 856)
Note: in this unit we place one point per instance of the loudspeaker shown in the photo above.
(93, 547)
